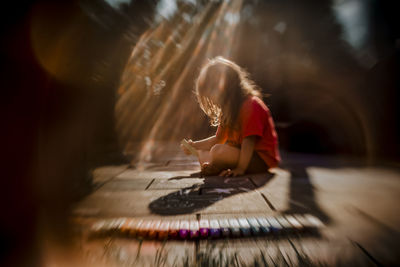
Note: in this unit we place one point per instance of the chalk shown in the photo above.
(173, 231)
(128, 227)
(107, 226)
(234, 227)
(163, 230)
(194, 229)
(153, 229)
(286, 226)
(214, 229)
(192, 150)
(264, 225)
(144, 229)
(224, 227)
(184, 229)
(254, 226)
(275, 226)
(314, 221)
(98, 227)
(244, 227)
(204, 228)
(294, 222)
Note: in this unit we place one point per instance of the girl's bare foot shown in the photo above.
(208, 169)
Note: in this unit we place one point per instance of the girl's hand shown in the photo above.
(234, 172)
(185, 150)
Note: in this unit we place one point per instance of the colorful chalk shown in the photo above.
(124, 229)
(194, 229)
(214, 229)
(184, 229)
(130, 226)
(309, 222)
(173, 231)
(204, 228)
(224, 227)
(304, 222)
(153, 229)
(275, 225)
(144, 228)
(294, 222)
(314, 221)
(234, 227)
(264, 225)
(163, 230)
(254, 226)
(286, 226)
(99, 228)
(244, 227)
(107, 226)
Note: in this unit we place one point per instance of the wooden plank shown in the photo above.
(177, 183)
(250, 202)
(125, 185)
(228, 182)
(105, 173)
(118, 204)
(153, 174)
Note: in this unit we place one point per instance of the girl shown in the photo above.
(245, 140)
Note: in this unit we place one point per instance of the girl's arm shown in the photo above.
(205, 144)
(246, 152)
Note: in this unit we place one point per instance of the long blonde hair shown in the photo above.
(223, 79)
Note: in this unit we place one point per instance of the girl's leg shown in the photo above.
(225, 156)
(220, 157)
(204, 156)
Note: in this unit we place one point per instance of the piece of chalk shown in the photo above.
(133, 227)
(163, 230)
(264, 225)
(99, 226)
(294, 222)
(304, 222)
(124, 229)
(204, 227)
(244, 227)
(254, 226)
(314, 220)
(153, 229)
(192, 150)
(184, 229)
(214, 228)
(234, 227)
(194, 229)
(286, 226)
(144, 228)
(224, 227)
(275, 225)
(110, 226)
(128, 226)
(174, 229)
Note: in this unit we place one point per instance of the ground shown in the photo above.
(357, 204)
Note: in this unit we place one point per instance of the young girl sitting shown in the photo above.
(245, 140)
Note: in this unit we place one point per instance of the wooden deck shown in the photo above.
(357, 203)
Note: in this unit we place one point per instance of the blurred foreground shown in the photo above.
(357, 204)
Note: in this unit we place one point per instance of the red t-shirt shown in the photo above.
(254, 119)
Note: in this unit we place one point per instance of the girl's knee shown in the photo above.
(217, 152)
